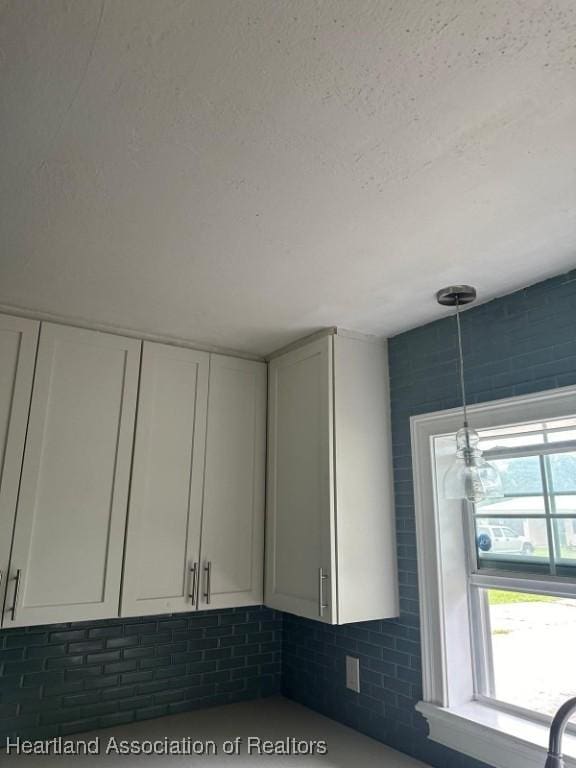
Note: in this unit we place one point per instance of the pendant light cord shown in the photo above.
(461, 359)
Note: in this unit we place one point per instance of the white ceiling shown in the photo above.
(241, 173)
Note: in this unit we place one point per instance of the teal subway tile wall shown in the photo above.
(65, 678)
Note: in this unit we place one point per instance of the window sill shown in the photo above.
(494, 737)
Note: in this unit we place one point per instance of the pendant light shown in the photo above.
(470, 477)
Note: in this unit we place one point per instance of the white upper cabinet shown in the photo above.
(69, 535)
(75, 547)
(330, 543)
(233, 517)
(18, 340)
(161, 573)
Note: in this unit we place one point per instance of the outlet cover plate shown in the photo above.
(353, 673)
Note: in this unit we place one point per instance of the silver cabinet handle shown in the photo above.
(322, 577)
(16, 593)
(193, 576)
(1, 577)
(208, 572)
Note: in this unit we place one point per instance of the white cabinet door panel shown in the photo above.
(233, 516)
(70, 524)
(300, 521)
(163, 539)
(18, 341)
(365, 516)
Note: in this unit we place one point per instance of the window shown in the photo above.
(533, 528)
(498, 580)
(522, 639)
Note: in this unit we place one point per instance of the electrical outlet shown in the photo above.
(353, 673)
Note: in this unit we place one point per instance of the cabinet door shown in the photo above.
(163, 539)
(233, 516)
(365, 518)
(69, 535)
(300, 516)
(18, 340)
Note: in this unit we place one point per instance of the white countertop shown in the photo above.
(274, 719)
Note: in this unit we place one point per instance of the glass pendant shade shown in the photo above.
(491, 481)
(471, 477)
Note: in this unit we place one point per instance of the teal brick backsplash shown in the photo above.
(65, 678)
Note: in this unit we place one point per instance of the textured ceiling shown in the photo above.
(243, 173)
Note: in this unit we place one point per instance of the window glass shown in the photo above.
(516, 505)
(530, 529)
(520, 475)
(517, 543)
(562, 472)
(564, 504)
(532, 646)
(565, 540)
(537, 433)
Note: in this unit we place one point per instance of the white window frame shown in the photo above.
(456, 718)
